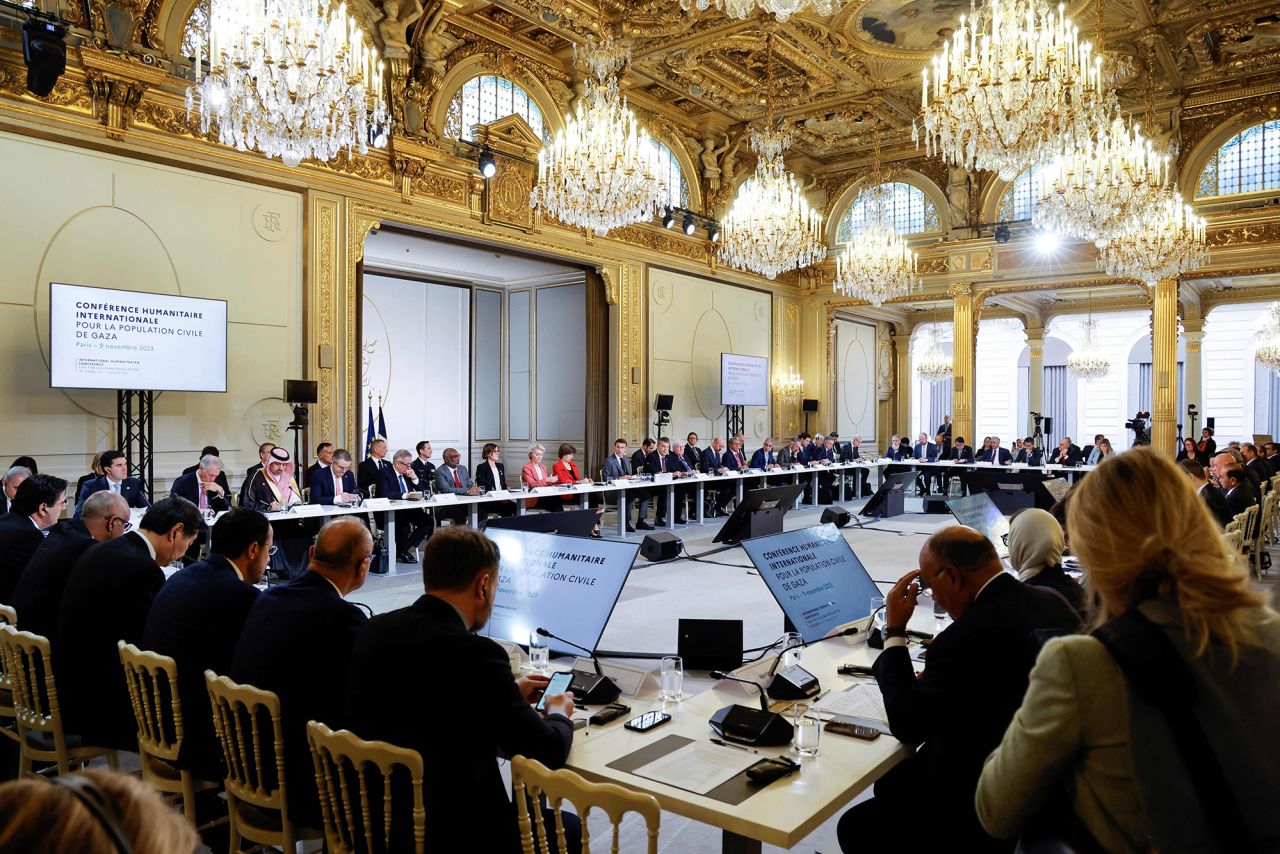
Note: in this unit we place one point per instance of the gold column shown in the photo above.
(901, 410)
(1193, 372)
(1164, 365)
(1035, 378)
(962, 361)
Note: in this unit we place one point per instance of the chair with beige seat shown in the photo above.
(153, 689)
(355, 779)
(8, 722)
(28, 664)
(531, 780)
(247, 722)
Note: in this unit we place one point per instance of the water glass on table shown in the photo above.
(808, 729)
(877, 613)
(671, 678)
(539, 653)
(791, 644)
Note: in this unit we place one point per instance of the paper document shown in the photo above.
(856, 701)
(698, 767)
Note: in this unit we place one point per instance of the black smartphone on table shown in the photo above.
(647, 721)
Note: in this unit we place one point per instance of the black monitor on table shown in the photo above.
(759, 513)
(569, 523)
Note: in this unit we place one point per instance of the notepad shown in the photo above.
(698, 767)
(857, 701)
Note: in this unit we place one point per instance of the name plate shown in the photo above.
(628, 679)
(377, 504)
(498, 493)
(546, 490)
(662, 477)
(304, 510)
(702, 475)
(797, 466)
(443, 498)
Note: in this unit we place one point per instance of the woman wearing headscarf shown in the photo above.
(1035, 553)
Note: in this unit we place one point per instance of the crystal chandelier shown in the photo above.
(935, 365)
(790, 387)
(1267, 350)
(601, 172)
(1089, 362)
(770, 227)
(1098, 187)
(292, 79)
(877, 264)
(1014, 86)
(780, 9)
(1159, 243)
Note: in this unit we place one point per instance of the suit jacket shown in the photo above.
(369, 472)
(846, 452)
(962, 455)
(484, 476)
(1055, 578)
(711, 461)
(973, 682)
(1217, 504)
(1082, 725)
(188, 487)
(760, 459)
(426, 472)
(394, 695)
(130, 490)
(1261, 467)
(445, 482)
(1072, 457)
(19, 538)
(693, 455)
(221, 479)
(732, 461)
(1033, 457)
(785, 459)
(322, 486)
(107, 599)
(1000, 456)
(297, 642)
(389, 485)
(1241, 499)
(37, 597)
(903, 452)
(615, 468)
(311, 470)
(196, 620)
(658, 465)
(566, 472)
(248, 479)
(639, 459)
(927, 451)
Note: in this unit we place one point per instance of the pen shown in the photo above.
(820, 696)
(734, 746)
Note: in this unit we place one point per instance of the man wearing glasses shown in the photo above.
(957, 709)
(413, 526)
(38, 593)
(36, 506)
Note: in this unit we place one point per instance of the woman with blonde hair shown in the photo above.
(533, 475)
(1157, 731)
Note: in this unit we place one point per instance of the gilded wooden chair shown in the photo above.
(355, 779)
(248, 725)
(531, 780)
(29, 665)
(8, 717)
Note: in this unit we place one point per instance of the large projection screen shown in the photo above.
(111, 339)
(744, 380)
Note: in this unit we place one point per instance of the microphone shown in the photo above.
(594, 688)
(720, 674)
(591, 653)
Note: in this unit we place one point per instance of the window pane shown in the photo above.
(1019, 201)
(487, 98)
(1246, 163)
(909, 209)
(669, 170)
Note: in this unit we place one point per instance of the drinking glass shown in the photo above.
(671, 678)
(808, 729)
(941, 619)
(877, 612)
(539, 653)
(791, 645)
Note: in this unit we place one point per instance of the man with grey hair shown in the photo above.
(412, 526)
(13, 478)
(201, 486)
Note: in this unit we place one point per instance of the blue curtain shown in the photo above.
(1056, 379)
(936, 404)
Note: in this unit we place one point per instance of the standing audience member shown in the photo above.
(197, 617)
(422, 465)
(38, 594)
(297, 642)
(1212, 497)
(1207, 446)
(115, 478)
(324, 459)
(959, 706)
(93, 811)
(1035, 553)
(36, 507)
(107, 599)
(393, 695)
(1091, 726)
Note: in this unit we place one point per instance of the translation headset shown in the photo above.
(92, 798)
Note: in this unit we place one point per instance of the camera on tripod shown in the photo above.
(1139, 425)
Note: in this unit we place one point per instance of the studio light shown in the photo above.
(45, 53)
(668, 218)
(1002, 233)
(689, 226)
(713, 232)
(1047, 242)
(487, 162)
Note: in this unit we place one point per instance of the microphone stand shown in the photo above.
(590, 688)
(746, 725)
(720, 674)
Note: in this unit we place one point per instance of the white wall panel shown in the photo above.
(855, 368)
(561, 347)
(1229, 339)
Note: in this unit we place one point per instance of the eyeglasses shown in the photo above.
(1004, 538)
(273, 550)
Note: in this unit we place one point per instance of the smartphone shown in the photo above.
(647, 721)
(559, 683)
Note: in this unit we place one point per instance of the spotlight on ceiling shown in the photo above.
(1047, 242)
(45, 53)
(713, 232)
(668, 218)
(1002, 233)
(689, 227)
(487, 162)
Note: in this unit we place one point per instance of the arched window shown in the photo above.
(487, 98)
(1246, 163)
(910, 211)
(669, 170)
(1020, 200)
(195, 33)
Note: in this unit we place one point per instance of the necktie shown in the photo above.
(456, 480)
(403, 488)
(115, 487)
(204, 496)
(662, 463)
(337, 486)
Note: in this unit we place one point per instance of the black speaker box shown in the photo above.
(301, 391)
(1208, 422)
(810, 405)
(746, 725)
(1048, 424)
(663, 402)
(710, 644)
(935, 505)
(836, 514)
(661, 545)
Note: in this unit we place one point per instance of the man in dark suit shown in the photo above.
(297, 642)
(369, 472)
(36, 507)
(412, 526)
(1066, 454)
(264, 451)
(422, 465)
(1255, 462)
(212, 451)
(662, 461)
(764, 458)
(38, 593)
(324, 459)
(108, 595)
(394, 695)
(924, 451)
(1210, 494)
(790, 455)
(196, 620)
(944, 429)
(996, 454)
(958, 708)
(13, 478)
(853, 453)
(1238, 492)
(336, 484)
(733, 458)
(617, 466)
(1028, 454)
(116, 479)
(898, 449)
(692, 452)
(453, 477)
(202, 487)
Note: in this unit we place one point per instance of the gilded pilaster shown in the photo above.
(786, 358)
(625, 286)
(1164, 364)
(962, 360)
(324, 237)
(1193, 369)
(1035, 378)
(360, 222)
